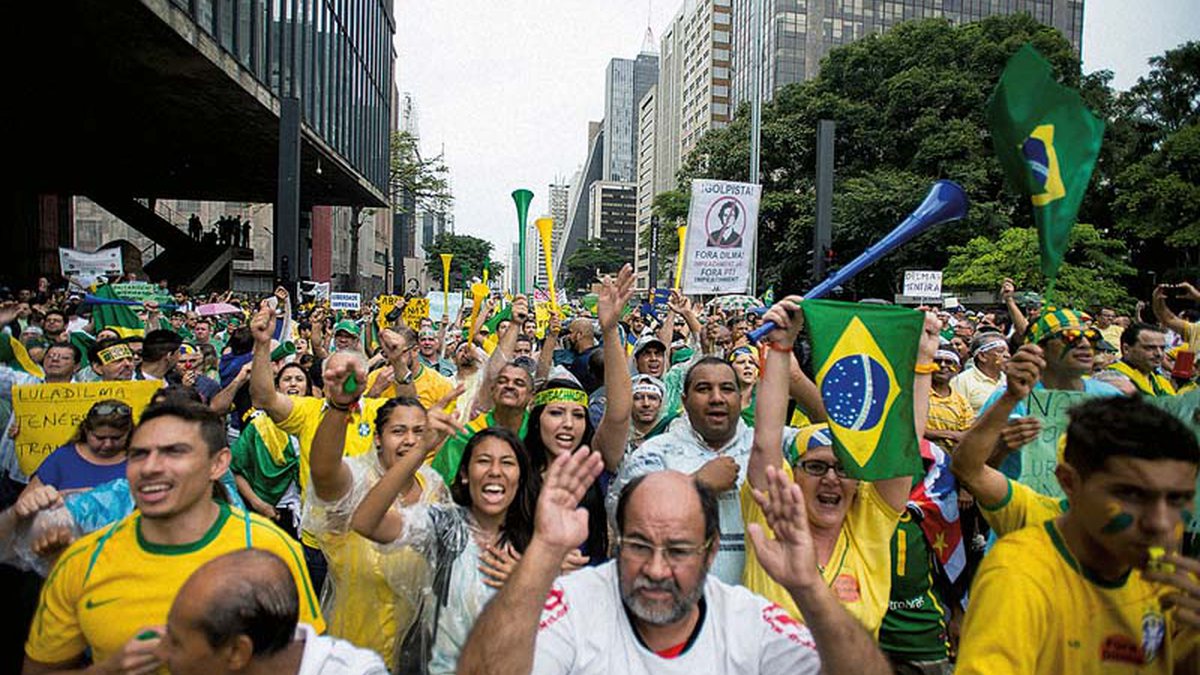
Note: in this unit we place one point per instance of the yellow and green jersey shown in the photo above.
(914, 627)
(1022, 507)
(111, 583)
(1036, 610)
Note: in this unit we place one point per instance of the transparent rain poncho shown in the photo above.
(373, 595)
(445, 535)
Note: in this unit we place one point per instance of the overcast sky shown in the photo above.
(507, 88)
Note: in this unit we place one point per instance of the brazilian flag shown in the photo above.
(1047, 141)
(864, 356)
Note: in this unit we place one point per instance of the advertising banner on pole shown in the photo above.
(721, 233)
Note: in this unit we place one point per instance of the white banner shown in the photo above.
(922, 284)
(86, 268)
(349, 301)
(722, 228)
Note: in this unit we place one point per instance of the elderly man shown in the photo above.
(989, 352)
(239, 613)
(655, 609)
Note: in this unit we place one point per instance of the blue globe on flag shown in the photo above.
(855, 391)
(1038, 159)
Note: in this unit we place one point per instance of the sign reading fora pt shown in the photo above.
(922, 284)
(350, 301)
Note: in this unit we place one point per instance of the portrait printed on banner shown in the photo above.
(726, 228)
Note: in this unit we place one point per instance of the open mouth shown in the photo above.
(153, 493)
(493, 493)
(829, 499)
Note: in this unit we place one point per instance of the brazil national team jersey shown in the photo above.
(111, 583)
(1036, 610)
(914, 627)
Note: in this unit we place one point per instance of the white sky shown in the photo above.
(507, 88)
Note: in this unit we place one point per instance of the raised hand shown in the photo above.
(1181, 573)
(37, 499)
(791, 557)
(520, 309)
(559, 522)
(930, 338)
(262, 324)
(787, 316)
(335, 376)
(440, 424)
(1023, 370)
(614, 295)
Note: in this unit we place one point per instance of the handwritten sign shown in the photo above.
(386, 304)
(1187, 408)
(1040, 456)
(346, 301)
(923, 284)
(49, 414)
(415, 310)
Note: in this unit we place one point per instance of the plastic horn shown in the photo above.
(446, 258)
(945, 202)
(545, 228)
(478, 293)
(485, 273)
(682, 230)
(522, 197)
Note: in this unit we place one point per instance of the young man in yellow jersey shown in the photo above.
(1070, 595)
(106, 599)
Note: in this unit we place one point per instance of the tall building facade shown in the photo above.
(559, 207)
(645, 186)
(797, 34)
(612, 215)
(625, 83)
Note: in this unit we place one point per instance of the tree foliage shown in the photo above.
(416, 181)
(593, 258)
(470, 254)
(1092, 275)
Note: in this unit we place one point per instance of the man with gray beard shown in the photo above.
(655, 608)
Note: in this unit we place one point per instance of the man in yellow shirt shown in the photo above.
(404, 368)
(852, 522)
(107, 598)
(1072, 595)
(949, 412)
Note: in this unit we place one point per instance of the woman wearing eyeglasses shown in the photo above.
(95, 455)
(851, 521)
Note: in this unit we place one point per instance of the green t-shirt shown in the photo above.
(914, 627)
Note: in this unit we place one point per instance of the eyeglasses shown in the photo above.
(818, 468)
(106, 409)
(639, 550)
(1071, 336)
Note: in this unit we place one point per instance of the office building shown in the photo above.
(625, 83)
(797, 34)
(612, 215)
(645, 187)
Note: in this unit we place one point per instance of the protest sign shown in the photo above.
(345, 301)
(86, 268)
(923, 284)
(141, 291)
(387, 303)
(415, 310)
(437, 309)
(721, 234)
(1040, 456)
(1186, 407)
(49, 414)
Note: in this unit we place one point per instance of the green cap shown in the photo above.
(346, 326)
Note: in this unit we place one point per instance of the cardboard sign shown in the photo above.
(49, 414)
(415, 310)
(923, 284)
(1040, 456)
(345, 301)
(386, 304)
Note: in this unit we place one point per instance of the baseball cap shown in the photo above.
(346, 326)
(647, 341)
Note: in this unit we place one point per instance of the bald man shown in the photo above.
(238, 613)
(655, 608)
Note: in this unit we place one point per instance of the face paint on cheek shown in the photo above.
(1118, 520)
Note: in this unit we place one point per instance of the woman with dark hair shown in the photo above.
(494, 493)
(95, 455)
(745, 368)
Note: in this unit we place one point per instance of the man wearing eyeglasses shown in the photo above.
(655, 608)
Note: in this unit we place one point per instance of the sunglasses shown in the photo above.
(107, 409)
(1071, 336)
(818, 468)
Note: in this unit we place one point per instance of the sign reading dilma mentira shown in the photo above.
(721, 235)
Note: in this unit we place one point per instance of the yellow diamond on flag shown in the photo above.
(859, 388)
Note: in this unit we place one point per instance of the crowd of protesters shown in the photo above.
(617, 487)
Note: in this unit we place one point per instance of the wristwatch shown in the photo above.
(408, 379)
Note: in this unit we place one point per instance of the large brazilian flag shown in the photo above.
(864, 357)
(1047, 141)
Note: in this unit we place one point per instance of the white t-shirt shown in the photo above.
(584, 630)
(330, 656)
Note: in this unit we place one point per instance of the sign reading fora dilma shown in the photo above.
(721, 235)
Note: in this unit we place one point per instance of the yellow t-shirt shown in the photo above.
(949, 413)
(1022, 507)
(110, 583)
(860, 569)
(306, 415)
(431, 386)
(1034, 609)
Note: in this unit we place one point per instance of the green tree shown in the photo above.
(416, 181)
(1091, 276)
(470, 254)
(909, 107)
(592, 258)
